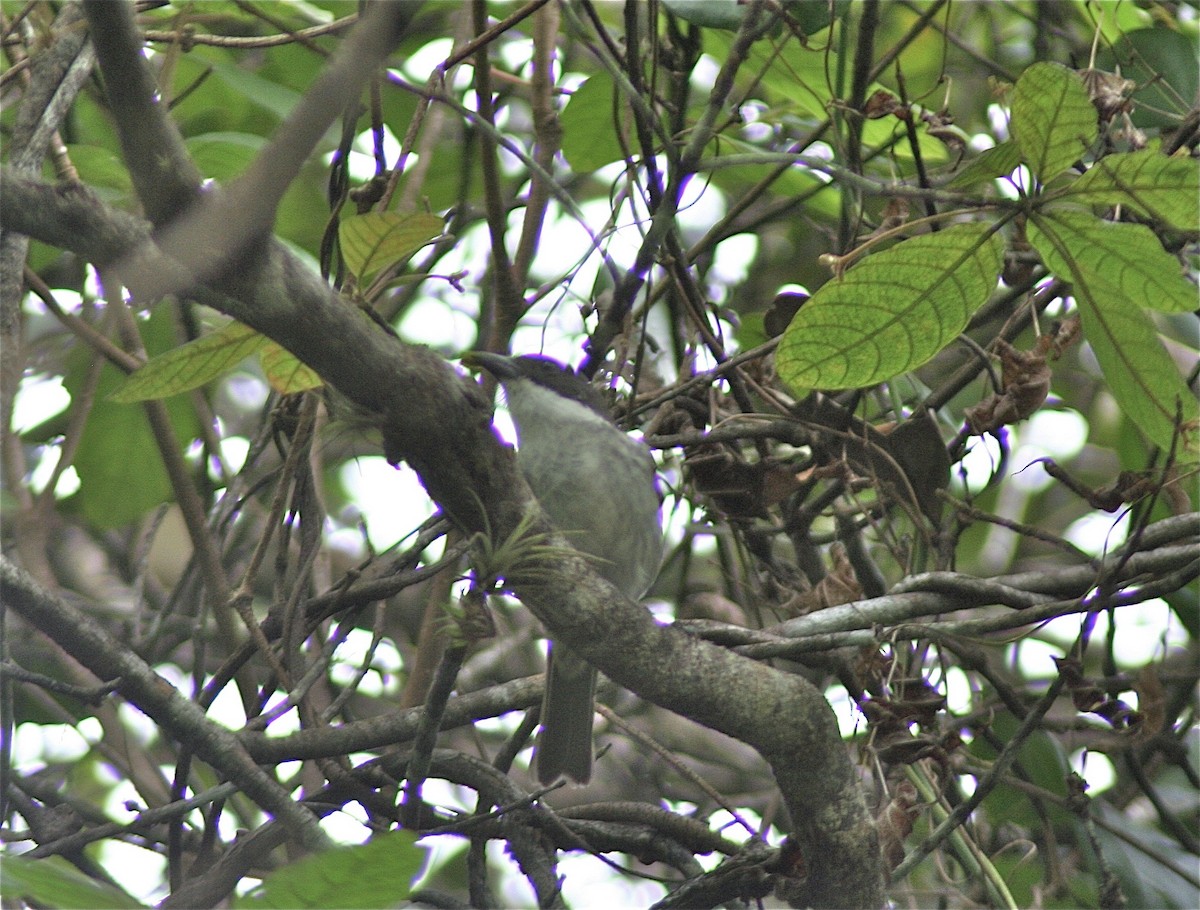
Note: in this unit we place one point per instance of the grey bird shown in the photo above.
(598, 487)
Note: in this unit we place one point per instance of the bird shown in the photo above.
(599, 488)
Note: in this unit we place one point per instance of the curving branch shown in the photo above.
(437, 422)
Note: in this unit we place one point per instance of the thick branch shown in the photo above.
(230, 224)
(437, 421)
(163, 174)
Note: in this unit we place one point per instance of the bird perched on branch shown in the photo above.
(597, 486)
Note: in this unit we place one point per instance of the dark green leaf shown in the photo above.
(590, 137)
(1163, 63)
(726, 14)
(1041, 761)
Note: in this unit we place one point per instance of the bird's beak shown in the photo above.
(498, 365)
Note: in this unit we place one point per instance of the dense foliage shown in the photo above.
(902, 296)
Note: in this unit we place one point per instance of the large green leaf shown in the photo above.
(1141, 375)
(121, 473)
(376, 874)
(892, 312)
(590, 136)
(1042, 761)
(191, 365)
(1162, 61)
(999, 161)
(1053, 121)
(726, 14)
(1152, 184)
(811, 16)
(54, 882)
(1123, 261)
(224, 155)
(286, 372)
(378, 240)
(101, 169)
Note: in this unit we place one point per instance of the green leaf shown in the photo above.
(1126, 261)
(1053, 121)
(892, 312)
(224, 155)
(726, 14)
(811, 16)
(54, 882)
(1162, 188)
(101, 168)
(379, 240)
(999, 161)
(879, 133)
(1042, 761)
(191, 365)
(121, 473)
(375, 874)
(286, 373)
(1141, 375)
(590, 137)
(789, 77)
(1163, 63)
(265, 93)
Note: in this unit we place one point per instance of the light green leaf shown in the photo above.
(878, 133)
(54, 882)
(1141, 375)
(1123, 261)
(191, 365)
(999, 161)
(1053, 121)
(590, 137)
(892, 312)
(379, 873)
(378, 240)
(1163, 188)
(789, 77)
(286, 373)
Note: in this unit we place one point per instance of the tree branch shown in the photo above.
(438, 422)
(163, 174)
(86, 641)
